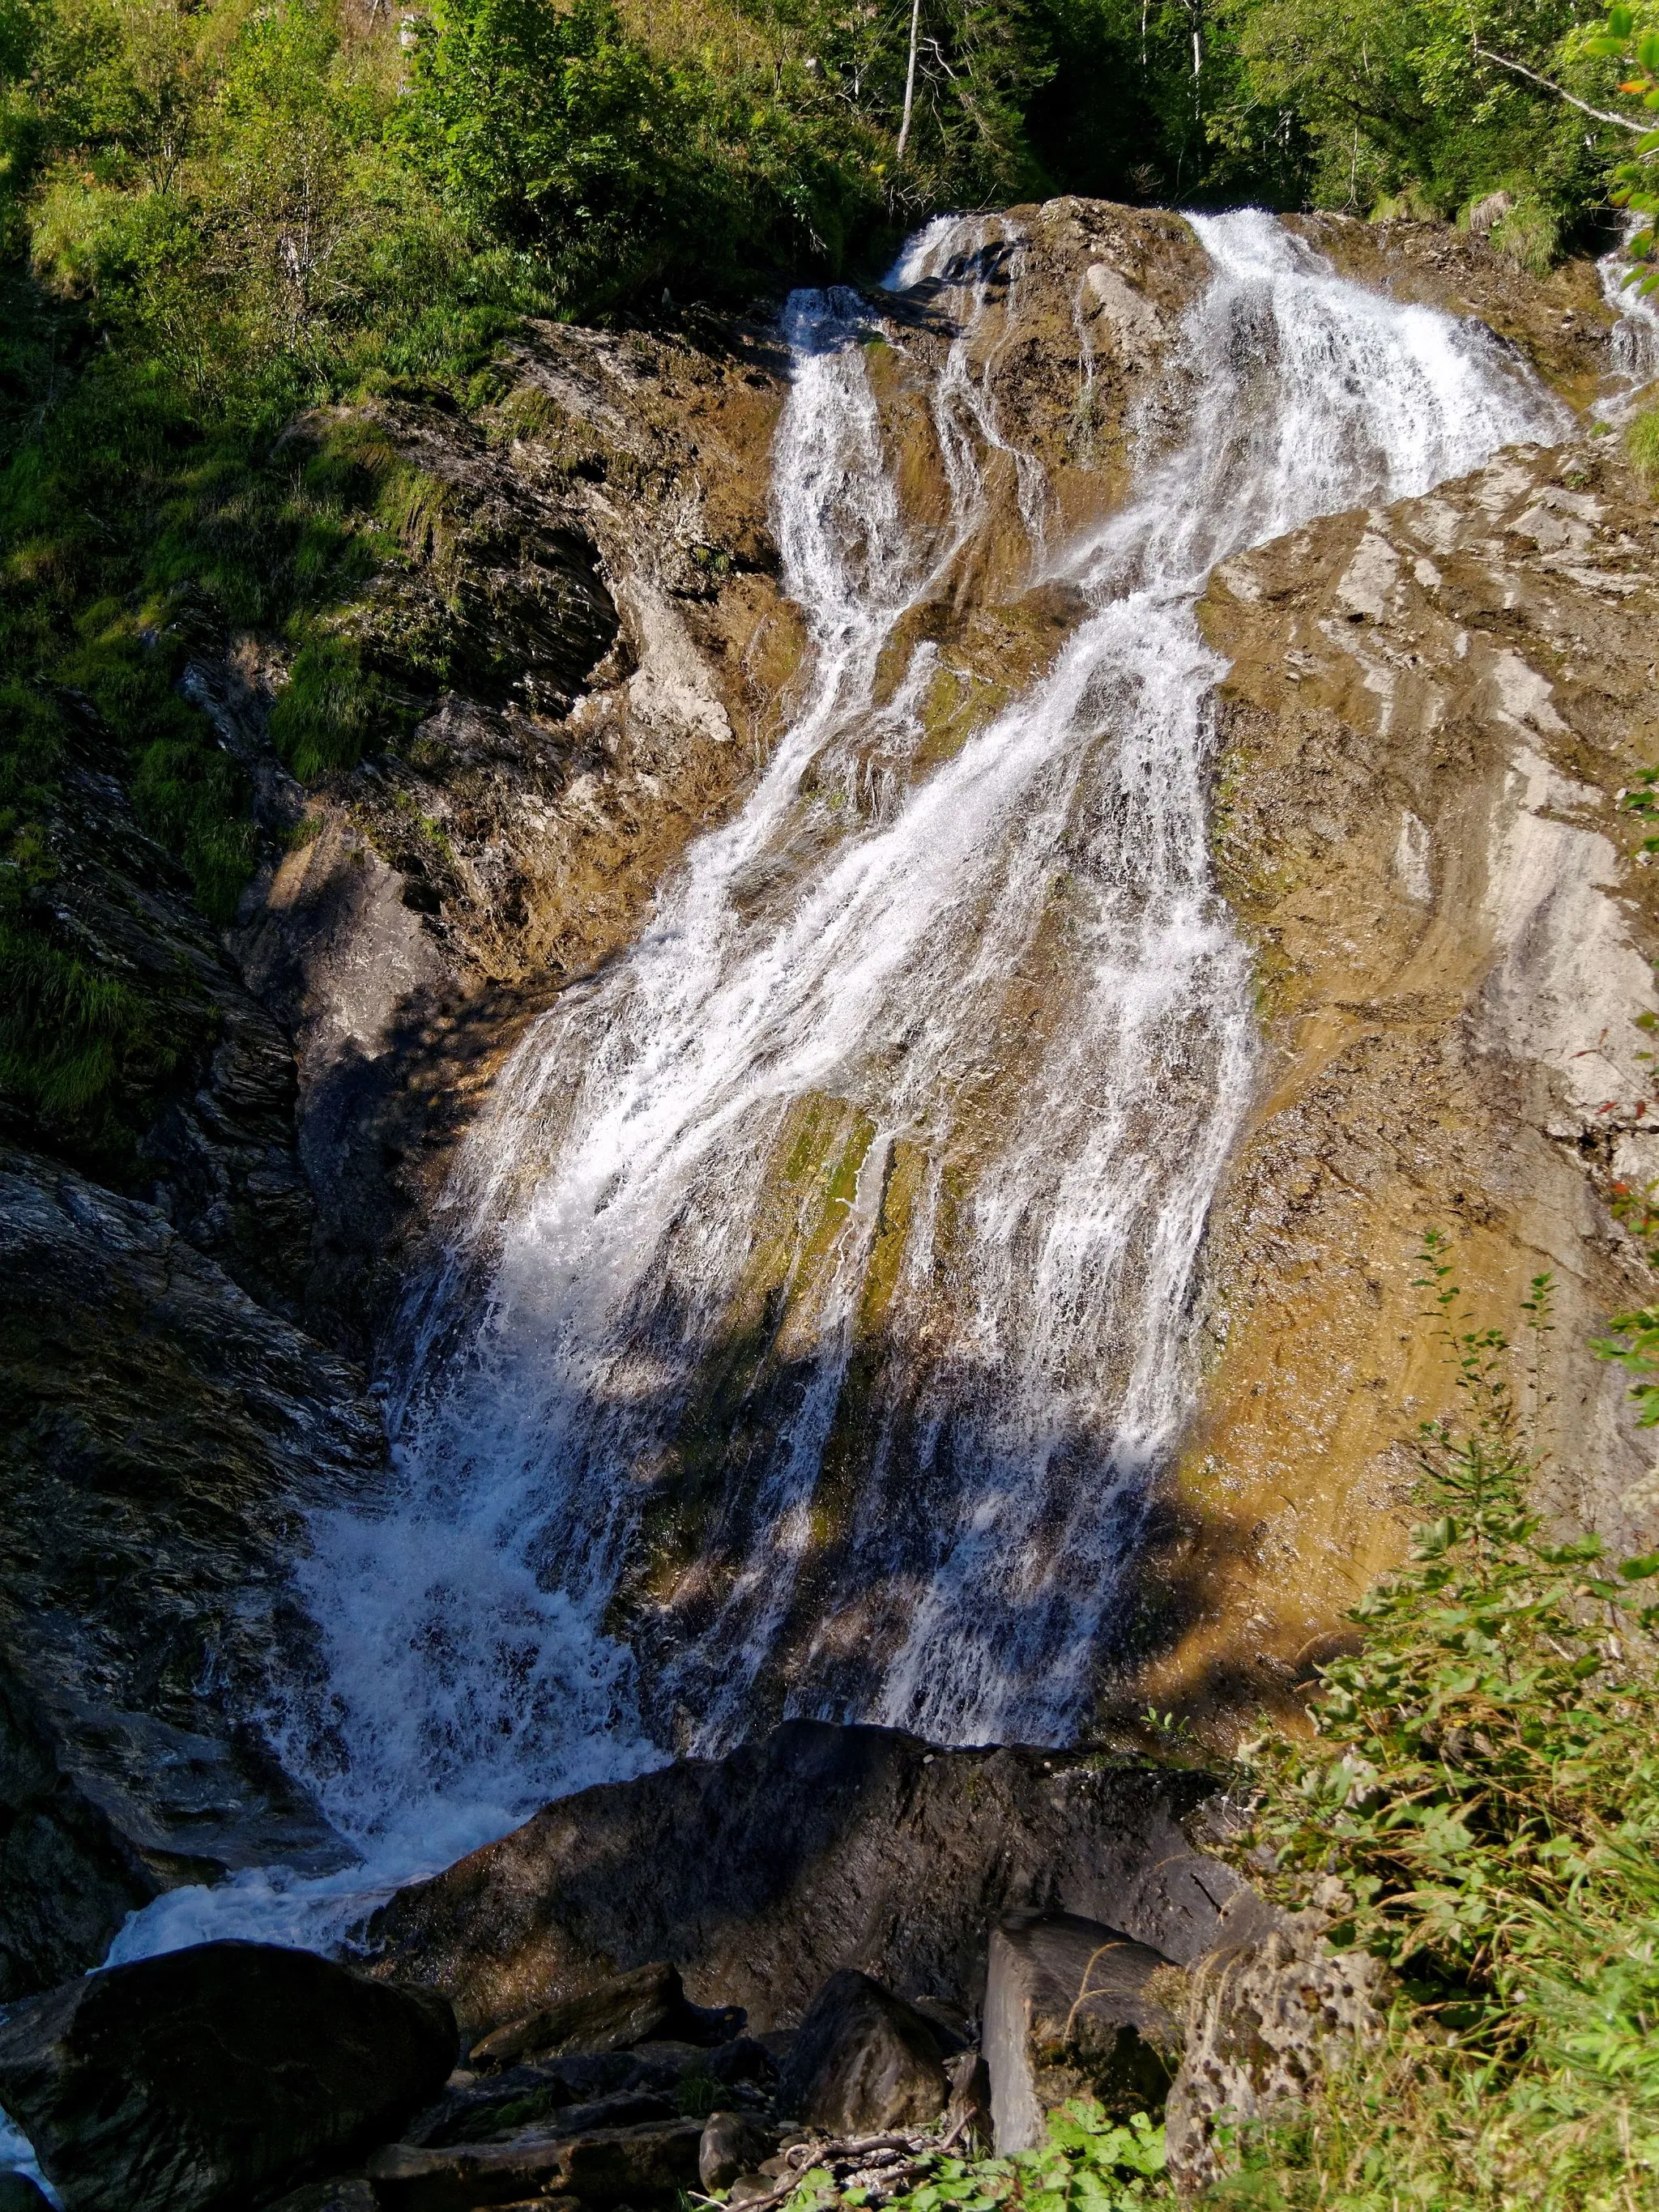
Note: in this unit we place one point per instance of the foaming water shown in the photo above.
(861, 1203)
(1634, 346)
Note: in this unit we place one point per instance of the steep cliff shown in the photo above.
(1429, 712)
(1430, 715)
(585, 605)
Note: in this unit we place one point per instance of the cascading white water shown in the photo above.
(1010, 976)
(1635, 337)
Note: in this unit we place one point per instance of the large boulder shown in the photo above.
(816, 1848)
(1074, 2009)
(863, 2061)
(1268, 2016)
(217, 2076)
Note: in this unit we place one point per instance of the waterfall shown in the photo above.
(1635, 345)
(815, 1313)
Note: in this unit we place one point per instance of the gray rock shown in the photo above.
(1266, 2019)
(732, 2144)
(164, 1438)
(216, 2076)
(351, 2194)
(1072, 2009)
(967, 2121)
(817, 1847)
(748, 2185)
(865, 2061)
(646, 2006)
(606, 2166)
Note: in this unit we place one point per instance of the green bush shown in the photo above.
(326, 712)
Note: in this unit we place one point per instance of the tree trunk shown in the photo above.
(910, 78)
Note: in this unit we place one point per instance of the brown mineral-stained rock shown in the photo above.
(589, 613)
(1430, 712)
(1073, 2008)
(1267, 2020)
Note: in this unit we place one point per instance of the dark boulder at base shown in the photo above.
(19, 2194)
(865, 2061)
(217, 2076)
(1074, 2009)
(816, 1848)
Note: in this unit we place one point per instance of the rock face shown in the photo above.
(591, 631)
(863, 2061)
(647, 2004)
(817, 1849)
(608, 2167)
(163, 1434)
(1073, 2008)
(1430, 712)
(1265, 2021)
(215, 2077)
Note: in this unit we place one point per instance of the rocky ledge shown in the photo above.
(901, 1922)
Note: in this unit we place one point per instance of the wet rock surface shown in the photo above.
(1074, 2009)
(164, 1435)
(214, 2077)
(817, 1849)
(1560, 322)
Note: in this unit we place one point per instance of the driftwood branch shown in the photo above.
(847, 2147)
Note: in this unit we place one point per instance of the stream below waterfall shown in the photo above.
(860, 1205)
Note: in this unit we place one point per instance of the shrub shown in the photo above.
(325, 714)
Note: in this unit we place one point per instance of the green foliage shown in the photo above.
(1642, 445)
(1629, 43)
(1087, 2163)
(1482, 1803)
(699, 2094)
(324, 716)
